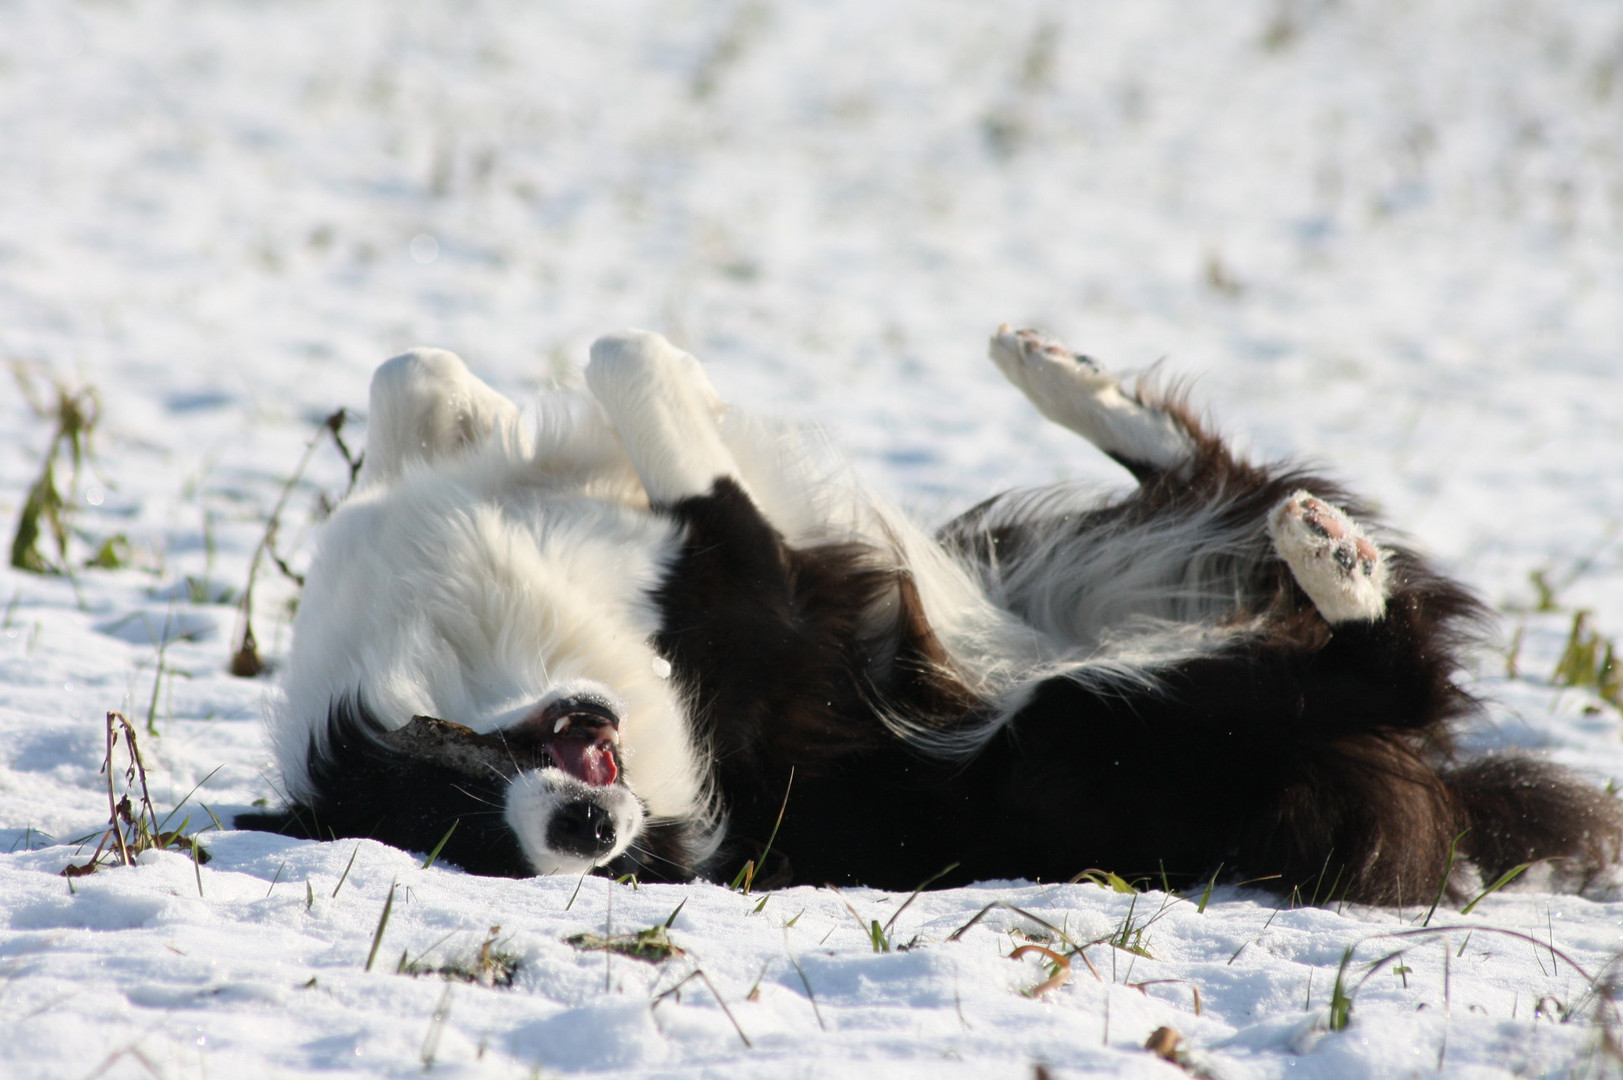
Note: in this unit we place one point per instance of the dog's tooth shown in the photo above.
(563, 722)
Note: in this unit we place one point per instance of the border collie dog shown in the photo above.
(646, 633)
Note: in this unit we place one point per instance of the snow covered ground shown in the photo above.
(1385, 234)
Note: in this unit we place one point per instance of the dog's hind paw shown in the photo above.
(1076, 392)
(1045, 369)
(1340, 568)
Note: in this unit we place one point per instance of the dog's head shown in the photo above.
(499, 636)
(565, 798)
(543, 792)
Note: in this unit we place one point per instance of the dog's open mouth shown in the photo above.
(579, 736)
(584, 741)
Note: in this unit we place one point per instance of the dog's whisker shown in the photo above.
(475, 798)
(508, 747)
(648, 855)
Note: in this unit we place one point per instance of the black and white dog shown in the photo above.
(632, 635)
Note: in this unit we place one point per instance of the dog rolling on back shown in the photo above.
(631, 635)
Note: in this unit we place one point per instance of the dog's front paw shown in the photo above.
(632, 362)
(1340, 568)
(665, 410)
(426, 405)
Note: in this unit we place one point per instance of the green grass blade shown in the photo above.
(1448, 869)
(439, 847)
(383, 921)
(1504, 879)
(345, 875)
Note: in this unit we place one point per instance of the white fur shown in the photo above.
(1180, 567)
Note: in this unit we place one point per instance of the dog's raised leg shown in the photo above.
(762, 637)
(665, 410)
(1340, 568)
(1077, 393)
(425, 405)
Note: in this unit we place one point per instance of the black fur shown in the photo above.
(368, 788)
(1316, 759)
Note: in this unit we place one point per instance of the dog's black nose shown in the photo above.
(581, 828)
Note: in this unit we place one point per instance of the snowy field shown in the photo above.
(1383, 234)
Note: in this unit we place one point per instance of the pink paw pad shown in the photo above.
(1340, 568)
(1033, 343)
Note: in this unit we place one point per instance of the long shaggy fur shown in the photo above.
(634, 636)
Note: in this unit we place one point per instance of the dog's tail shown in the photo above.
(1372, 818)
(1514, 810)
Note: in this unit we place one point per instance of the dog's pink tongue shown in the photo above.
(591, 762)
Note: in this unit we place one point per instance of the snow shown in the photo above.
(1383, 235)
